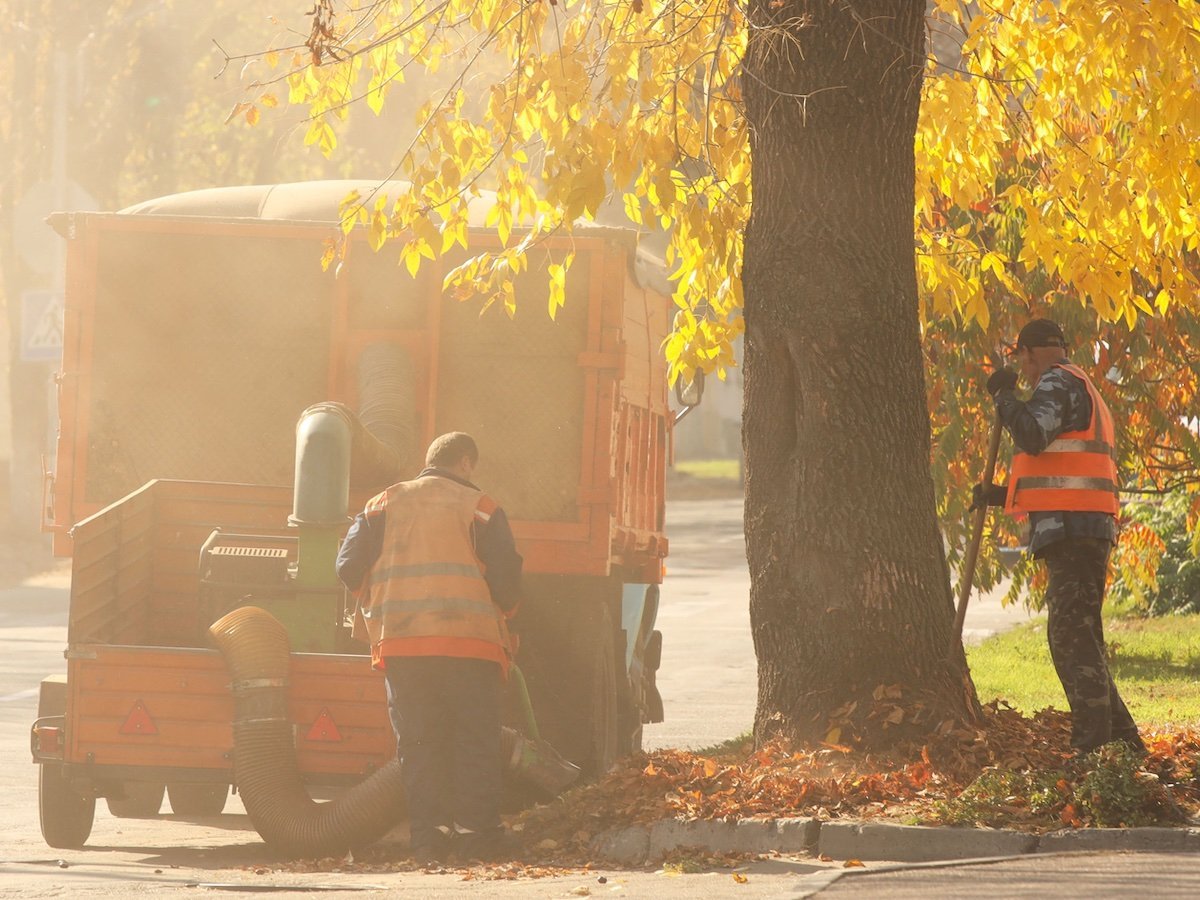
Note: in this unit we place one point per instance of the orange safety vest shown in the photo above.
(426, 594)
(1075, 473)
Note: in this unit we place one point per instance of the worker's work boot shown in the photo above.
(436, 849)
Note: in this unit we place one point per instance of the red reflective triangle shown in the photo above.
(324, 728)
(138, 721)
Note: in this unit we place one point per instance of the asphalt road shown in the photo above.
(1095, 876)
(708, 685)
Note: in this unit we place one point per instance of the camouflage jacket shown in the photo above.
(1059, 403)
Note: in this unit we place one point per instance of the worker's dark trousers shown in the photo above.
(1074, 597)
(446, 712)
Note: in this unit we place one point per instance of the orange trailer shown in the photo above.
(197, 329)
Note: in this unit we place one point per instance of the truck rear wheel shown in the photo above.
(142, 800)
(605, 746)
(571, 657)
(198, 799)
(585, 725)
(66, 816)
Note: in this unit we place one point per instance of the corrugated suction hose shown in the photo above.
(387, 397)
(257, 653)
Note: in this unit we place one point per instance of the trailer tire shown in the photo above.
(66, 817)
(142, 800)
(198, 799)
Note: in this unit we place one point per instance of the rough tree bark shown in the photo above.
(850, 601)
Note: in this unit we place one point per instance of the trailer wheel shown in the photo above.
(142, 800)
(198, 799)
(66, 816)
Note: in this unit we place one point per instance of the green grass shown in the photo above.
(709, 468)
(734, 748)
(1155, 662)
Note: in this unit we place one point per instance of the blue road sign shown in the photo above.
(41, 326)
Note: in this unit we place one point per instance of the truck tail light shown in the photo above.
(48, 741)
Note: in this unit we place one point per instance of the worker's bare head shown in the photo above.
(1040, 345)
(454, 452)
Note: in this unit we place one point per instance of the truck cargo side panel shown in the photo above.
(641, 436)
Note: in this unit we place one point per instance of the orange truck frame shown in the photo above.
(198, 327)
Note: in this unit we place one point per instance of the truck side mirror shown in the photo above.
(688, 395)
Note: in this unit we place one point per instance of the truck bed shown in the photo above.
(178, 368)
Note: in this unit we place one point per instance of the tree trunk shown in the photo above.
(850, 602)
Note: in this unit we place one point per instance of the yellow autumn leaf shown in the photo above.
(1056, 165)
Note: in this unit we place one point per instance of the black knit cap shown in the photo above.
(1041, 333)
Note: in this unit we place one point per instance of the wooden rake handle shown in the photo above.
(968, 575)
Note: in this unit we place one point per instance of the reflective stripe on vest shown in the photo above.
(1075, 473)
(428, 582)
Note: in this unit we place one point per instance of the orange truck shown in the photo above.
(200, 329)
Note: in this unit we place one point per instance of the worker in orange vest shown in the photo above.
(436, 572)
(1064, 479)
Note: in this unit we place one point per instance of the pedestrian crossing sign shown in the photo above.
(41, 326)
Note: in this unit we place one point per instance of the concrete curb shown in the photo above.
(916, 843)
(637, 845)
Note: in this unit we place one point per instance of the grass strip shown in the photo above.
(1155, 662)
(717, 469)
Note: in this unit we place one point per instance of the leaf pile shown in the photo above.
(1016, 756)
(1006, 769)
(1005, 738)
